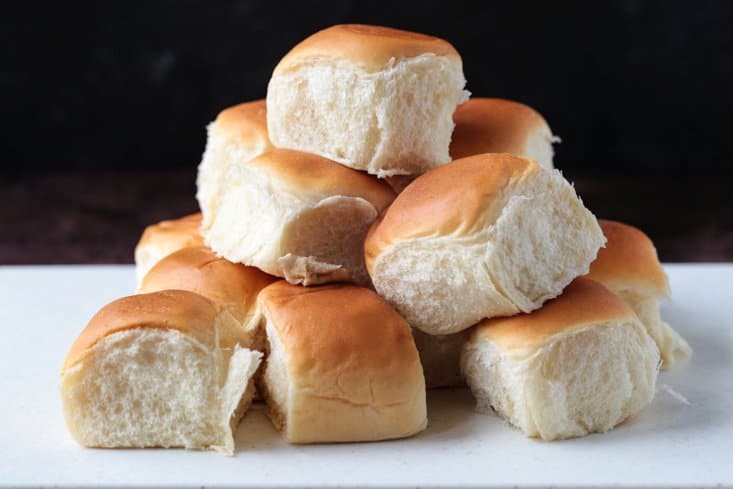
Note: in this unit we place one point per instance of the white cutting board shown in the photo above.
(673, 443)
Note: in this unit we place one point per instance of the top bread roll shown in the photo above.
(489, 235)
(161, 239)
(494, 125)
(371, 98)
(629, 266)
(237, 135)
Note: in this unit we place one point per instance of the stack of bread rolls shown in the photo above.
(366, 232)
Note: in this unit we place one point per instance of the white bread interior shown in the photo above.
(293, 229)
(584, 382)
(391, 116)
(155, 385)
(538, 146)
(238, 134)
(519, 245)
(440, 356)
(161, 239)
(275, 378)
(586, 377)
(156, 388)
(672, 346)
(336, 373)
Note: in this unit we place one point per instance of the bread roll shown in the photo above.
(372, 98)
(440, 357)
(342, 366)
(489, 235)
(494, 125)
(298, 216)
(161, 239)
(237, 135)
(581, 364)
(157, 370)
(629, 266)
(232, 287)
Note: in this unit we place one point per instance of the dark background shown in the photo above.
(105, 106)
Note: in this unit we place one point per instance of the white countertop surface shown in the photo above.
(683, 440)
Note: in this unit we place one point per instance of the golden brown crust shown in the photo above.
(247, 121)
(451, 199)
(305, 172)
(629, 261)
(229, 285)
(368, 47)
(312, 323)
(171, 309)
(344, 341)
(173, 234)
(583, 303)
(493, 125)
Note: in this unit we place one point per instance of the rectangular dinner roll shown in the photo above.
(440, 356)
(232, 287)
(237, 135)
(161, 239)
(494, 125)
(157, 370)
(299, 216)
(342, 366)
(372, 98)
(488, 235)
(629, 266)
(581, 364)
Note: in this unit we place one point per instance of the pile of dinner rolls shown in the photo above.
(367, 232)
